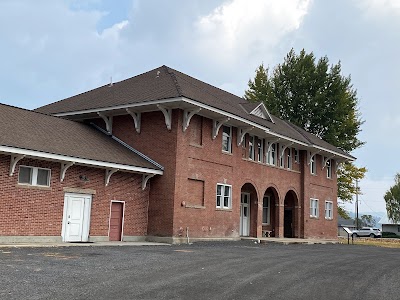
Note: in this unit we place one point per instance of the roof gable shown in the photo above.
(262, 112)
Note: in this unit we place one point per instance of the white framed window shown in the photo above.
(266, 210)
(260, 150)
(313, 165)
(314, 208)
(34, 176)
(224, 196)
(328, 210)
(271, 154)
(296, 155)
(227, 139)
(251, 147)
(289, 159)
(329, 169)
(282, 158)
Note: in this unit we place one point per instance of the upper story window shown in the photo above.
(282, 158)
(313, 165)
(251, 147)
(296, 155)
(227, 139)
(289, 159)
(314, 208)
(328, 169)
(34, 176)
(260, 150)
(266, 210)
(224, 196)
(329, 210)
(271, 154)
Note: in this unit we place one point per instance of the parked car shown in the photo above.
(368, 231)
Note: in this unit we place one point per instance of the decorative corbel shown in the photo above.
(217, 125)
(64, 168)
(167, 112)
(310, 155)
(283, 149)
(187, 116)
(137, 118)
(325, 160)
(145, 179)
(241, 132)
(271, 141)
(108, 120)
(109, 172)
(13, 162)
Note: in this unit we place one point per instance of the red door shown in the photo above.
(116, 221)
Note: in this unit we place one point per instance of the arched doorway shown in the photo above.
(248, 210)
(290, 215)
(270, 214)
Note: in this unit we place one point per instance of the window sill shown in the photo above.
(196, 145)
(33, 187)
(329, 219)
(227, 153)
(314, 218)
(224, 209)
(194, 206)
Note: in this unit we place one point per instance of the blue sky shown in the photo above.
(52, 49)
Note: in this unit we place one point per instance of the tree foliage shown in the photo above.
(315, 96)
(392, 199)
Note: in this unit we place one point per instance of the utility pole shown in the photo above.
(357, 204)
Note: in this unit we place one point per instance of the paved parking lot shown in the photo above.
(225, 270)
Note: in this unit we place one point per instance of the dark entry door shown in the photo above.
(288, 223)
(116, 221)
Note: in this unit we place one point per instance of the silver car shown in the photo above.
(368, 231)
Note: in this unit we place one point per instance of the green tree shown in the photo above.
(367, 221)
(392, 199)
(315, 96)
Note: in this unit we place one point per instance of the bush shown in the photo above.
(391, 235)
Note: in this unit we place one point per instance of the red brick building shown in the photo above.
(224, 167)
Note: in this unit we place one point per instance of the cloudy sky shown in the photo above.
(52, 49)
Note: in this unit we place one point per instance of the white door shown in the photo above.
(76, 219)
(245, 214)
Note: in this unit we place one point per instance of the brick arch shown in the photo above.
(249, 188)
(273, 214)
(291, 214)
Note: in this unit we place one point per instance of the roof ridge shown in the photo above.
(171, 72)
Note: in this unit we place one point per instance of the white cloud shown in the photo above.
(380, 7)
(240, 29)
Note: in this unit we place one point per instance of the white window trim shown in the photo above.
(281, 157)
(313, 165)
(296, 157)
(260, 151)
(271, 155)
(326, 210)
(268, 211)
(221, 206)
(289, 159)
(230, 139)
(314, 211)
(329, 169)
(252, 152)
(34, 176)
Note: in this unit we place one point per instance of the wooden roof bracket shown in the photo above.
(137, 118)
(271, 142)
(64, 168)
(145, 179)
(13, 162)
(109, 172)
(167, 112)
(283, 148)
(310, 155)
(187, 116)
(325, 160)
(241, 132)
(108, 120)
(217, 125)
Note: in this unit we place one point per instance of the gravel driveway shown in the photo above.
(220, 270)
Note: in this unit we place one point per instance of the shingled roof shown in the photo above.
(27, 130)
(167, 83)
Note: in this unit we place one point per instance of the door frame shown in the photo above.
(123, 218)
(248, 214)
(86, 215)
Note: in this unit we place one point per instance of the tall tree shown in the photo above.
(392, 199)
(315, 96)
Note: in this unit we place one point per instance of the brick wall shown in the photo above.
(38, 211)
